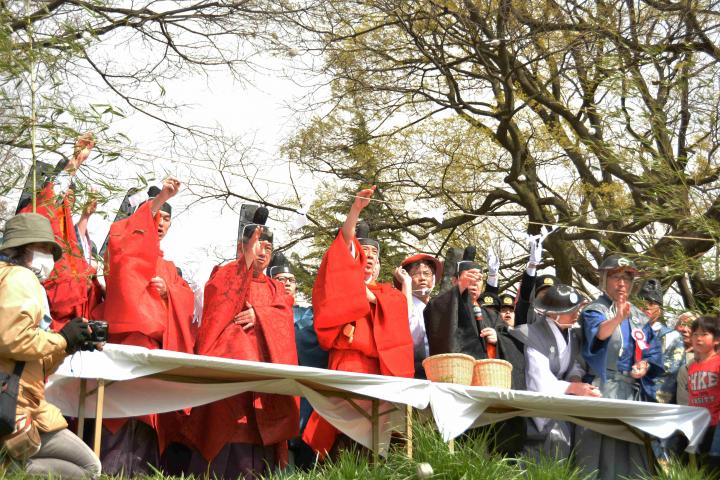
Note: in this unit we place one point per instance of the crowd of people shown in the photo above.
(618, 345)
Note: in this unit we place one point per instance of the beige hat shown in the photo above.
(26, 228)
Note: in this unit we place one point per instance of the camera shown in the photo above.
(98, 334)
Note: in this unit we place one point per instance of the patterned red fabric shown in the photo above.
(251, 417)
(131, 305)
(382, 343)
(135, 312)
(72, 287)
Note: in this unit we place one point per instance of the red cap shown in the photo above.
(423, 256)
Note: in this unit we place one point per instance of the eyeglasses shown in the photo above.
(422, 273)
(285, 280)
(621, 276)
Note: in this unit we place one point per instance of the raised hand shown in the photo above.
(362, 199)
(83, 146)
(622, 308)
(402, 276)
(90, 207)
(253, 248)
(467, 278)
(170, 188)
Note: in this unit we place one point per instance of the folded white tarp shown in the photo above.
(155, 381)
(457, 408)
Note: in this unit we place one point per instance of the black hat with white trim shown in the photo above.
(560, 299)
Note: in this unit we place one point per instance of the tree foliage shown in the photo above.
(68, 66)
(598, 116)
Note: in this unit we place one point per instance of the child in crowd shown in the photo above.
(704, 381)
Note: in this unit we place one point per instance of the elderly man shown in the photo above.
(416, 277)
(624, 357)
(455, 322)
(363, 324)
(27, 256)
(554, 365)
(246, 316)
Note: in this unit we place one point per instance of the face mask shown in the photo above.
(41, 264)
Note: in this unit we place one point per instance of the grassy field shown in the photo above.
(471, 460)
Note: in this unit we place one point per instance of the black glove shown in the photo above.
(75, 332)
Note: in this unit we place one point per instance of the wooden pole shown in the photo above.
(98, 415)
(375, 419)
(81, 408)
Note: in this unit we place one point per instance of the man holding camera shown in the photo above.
(149, 305)
(27, 256)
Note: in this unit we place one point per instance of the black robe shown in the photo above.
(451, 327)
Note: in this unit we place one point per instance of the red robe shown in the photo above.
(135, 312)
(255, 418)
(72, 287)
(382, 343)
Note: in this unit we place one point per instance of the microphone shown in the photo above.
(153, 191)
(469, 253)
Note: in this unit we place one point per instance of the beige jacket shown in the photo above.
(21, 309)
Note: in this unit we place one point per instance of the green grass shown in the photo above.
(471, 460)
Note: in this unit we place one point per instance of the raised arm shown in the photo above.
(362, 200)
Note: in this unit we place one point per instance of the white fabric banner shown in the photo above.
(154, 381)
(457, 408)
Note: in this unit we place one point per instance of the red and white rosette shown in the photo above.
(640, 339)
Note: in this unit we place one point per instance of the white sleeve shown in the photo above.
(539, 376)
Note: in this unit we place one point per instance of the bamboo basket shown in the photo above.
(449, 368)
(492, 373)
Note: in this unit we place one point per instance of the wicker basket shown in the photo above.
(449, 368)
(492, 373)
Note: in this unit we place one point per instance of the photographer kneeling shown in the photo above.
(41, 438)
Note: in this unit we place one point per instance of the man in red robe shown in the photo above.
(72, 287)
(246, 316)
(361, 323)
(147, 304)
